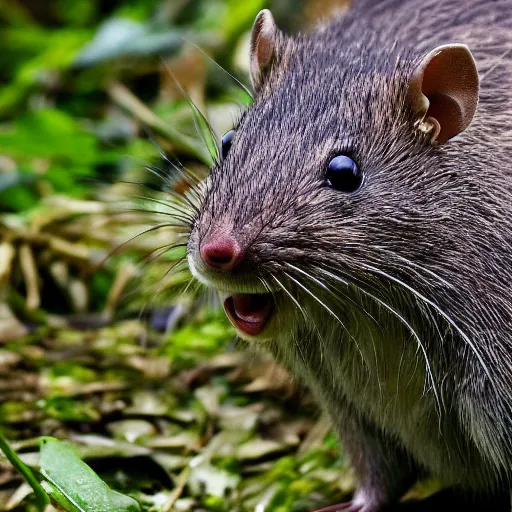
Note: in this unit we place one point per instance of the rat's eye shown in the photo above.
(343, 174)
(226, 142)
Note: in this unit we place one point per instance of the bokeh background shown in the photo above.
(103, 341)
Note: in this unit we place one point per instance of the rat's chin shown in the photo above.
(249, 313)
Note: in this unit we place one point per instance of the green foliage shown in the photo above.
(42, 498)
(67, 409)
(241, 14)
(71, 483)
(74, 485)
(48, 145)
(51, 134)
(194, 339)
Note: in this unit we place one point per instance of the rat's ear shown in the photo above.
(443, 91)
(264, 44)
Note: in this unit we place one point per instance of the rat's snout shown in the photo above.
(221, 252)
(224, 259)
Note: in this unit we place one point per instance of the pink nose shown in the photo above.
(221, 253)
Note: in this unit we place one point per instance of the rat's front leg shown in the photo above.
(382, 469)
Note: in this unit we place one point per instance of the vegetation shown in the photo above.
(105, 344)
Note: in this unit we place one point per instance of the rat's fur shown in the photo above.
(413, 358)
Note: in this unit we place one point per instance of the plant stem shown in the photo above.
(42, 498)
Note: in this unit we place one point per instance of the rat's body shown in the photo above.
(413, 358)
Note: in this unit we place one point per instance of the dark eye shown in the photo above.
(343, 174)
(226, 142)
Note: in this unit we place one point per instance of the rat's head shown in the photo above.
(338, 160)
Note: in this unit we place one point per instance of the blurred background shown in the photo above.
(95, 97)
(104, 340)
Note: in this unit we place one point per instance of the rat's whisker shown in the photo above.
(164, 177)
(126, 242)
(304, 314)
(332, 293)
(177, 224)
(150, 305)
(408, 262)
(242, 85)
(409, 327)
(168, 205)
(181, 199)
(325, 306)
(182, 214)
(184, 172)
(344, 296)
(153, 212)
(190, 283)
(202, 126)
(158, 252)
(424, 299)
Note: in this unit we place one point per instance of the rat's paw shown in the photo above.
(360, 503)
(349, 506)
(341, 507)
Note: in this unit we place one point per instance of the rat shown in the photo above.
(358, 226)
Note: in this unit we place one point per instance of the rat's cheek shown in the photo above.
(192, 245)
(195, 263)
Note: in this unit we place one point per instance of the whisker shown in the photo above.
(180, 198)
(409, 327)
(344, 295)
(151, 212)
(409, 263)
(420, 296)
(298, 345)
(150, 258)
(126, 242)
(307, 318)
(183, 214)
(327, 308)
(189, 176)
(200, 122)
(155, 296)
(160, 202)
(189, 284)
(166, 179)
(331, 292)
(241, 84)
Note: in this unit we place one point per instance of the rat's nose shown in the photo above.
(221, 253)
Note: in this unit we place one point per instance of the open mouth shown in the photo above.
(249, 312)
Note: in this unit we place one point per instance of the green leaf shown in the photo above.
(206, 133)
(75, 486)
(18, 198)
(240, 15)
(49, 134)
(42, 498)
(28, 51)
(118, 38)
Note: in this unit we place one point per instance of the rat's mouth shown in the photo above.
(249, 312)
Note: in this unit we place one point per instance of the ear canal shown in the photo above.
(264, 40)
(443, 91)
